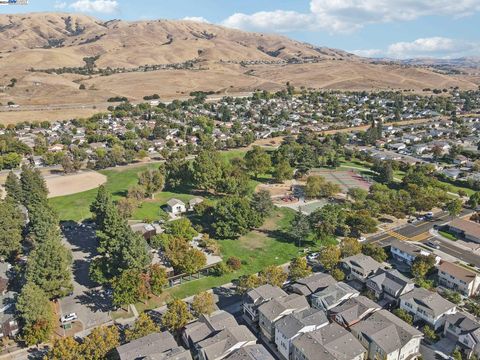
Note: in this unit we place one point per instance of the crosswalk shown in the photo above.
(398, 236)
(421, 237)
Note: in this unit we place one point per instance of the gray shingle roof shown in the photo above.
(354, 309)
(386, 330)
(391, 279)
(273, 308)
(265, 292)
(152, 344)
(312, 284)
(332, 294)
(252, 352)
(464, 321)
(330, 342)
(291, 324)
(220, 343)
(431, 300)
(364, 262)
(207, 325)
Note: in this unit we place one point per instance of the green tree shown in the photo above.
(262, 203)
(328, 220)
(454, 207)
(176, 316)
(473, 202)
(99, 206)
(404, 315)
(36, 314)
(452, 296)
(457, 355)
(329, 257)
(49, 267)
(360, 222)
(152, 181)
(158, 278)
(64, 349)
(273, 275)
(100, 343)
(207, 170)
(317, 187)
(126, 288)
(258, 161)
(181, 228)
(429, 333)
(13, 187)
(385, 173)
(234, 216)
(350, 246)
(247, 283)
(192, 261)
(11, 226)
(338, 274)
(299, 268)
(203, 303)
(299, 229)
(143, 326)
(374, 251)
(422, 265)
(283, 171)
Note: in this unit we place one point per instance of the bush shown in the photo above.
(221, 269)
(234, 263)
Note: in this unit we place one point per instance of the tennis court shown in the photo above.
(347, 179)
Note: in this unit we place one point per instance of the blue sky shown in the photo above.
(377, 28)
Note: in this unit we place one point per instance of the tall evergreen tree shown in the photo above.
(11, 225)
(49, 267)
(100, 204)
(34, 188)
(13, 187)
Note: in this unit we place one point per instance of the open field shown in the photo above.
(61, 185)
(260, 248)
(78, 112)
(346, 179)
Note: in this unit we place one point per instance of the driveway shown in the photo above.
(90, 303)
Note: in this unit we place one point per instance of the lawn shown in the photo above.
(76, 207)
(258, 249)
(448, 235)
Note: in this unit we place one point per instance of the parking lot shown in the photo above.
(89, 302)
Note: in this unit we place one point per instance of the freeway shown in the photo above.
(420, 232)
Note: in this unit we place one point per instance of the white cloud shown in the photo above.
(100, 6)
(433, 46)
(351, 15)
(60, 5)
(196, 19)
(368, 52)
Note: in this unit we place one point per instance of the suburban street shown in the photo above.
(421, 232)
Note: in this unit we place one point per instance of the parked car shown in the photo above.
(433, 244)
(429, 215)
(68, 318)
(313, 257)
(362, 239)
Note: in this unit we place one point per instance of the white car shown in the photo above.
(362, 239)
(68, 318)
(312, 257)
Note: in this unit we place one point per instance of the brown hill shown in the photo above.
(222, 60)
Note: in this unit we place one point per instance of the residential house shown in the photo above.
(353, 310)
(458, 278)
(251, 352)
(151, 345)
(389, 285)
(331, 342)
(465, 330)
(194, 202)
(206, 326)
(312, 284)
(332, 296)
(258, 296)
(467, 229)
(427, 306)
(293, 325)
(388, 337)
(272, 311)
(406, 252)
(176, 207)
(225, 342)
(360, 267)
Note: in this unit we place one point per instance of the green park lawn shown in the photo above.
(258, 249)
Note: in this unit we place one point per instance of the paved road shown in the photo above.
(420, 232)
(91, 305)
